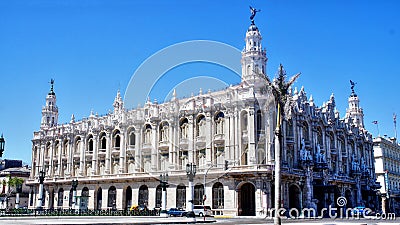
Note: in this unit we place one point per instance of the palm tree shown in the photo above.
(16, 182)
(280, 90)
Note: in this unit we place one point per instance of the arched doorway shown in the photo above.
(349, 198)
(128, 197)
(84, 198)
(60, 198)
(158, 196)
(181, 196)
(294, 200)
(246, 199)
(218, 196)
(112, 197)
(198, 194)
(143, 195)
(99, 198)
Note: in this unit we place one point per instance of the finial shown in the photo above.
(72, 118)
(200, 91)
(174, 93)
(352, 83)
(51, 87)
(253, 12)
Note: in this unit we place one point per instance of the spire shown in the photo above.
(50, 110)
(354, 113)
(253, 56)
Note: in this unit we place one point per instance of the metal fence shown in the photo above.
(73, 212)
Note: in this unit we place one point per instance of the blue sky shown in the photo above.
(92, 48)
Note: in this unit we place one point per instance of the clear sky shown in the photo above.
(92, 48)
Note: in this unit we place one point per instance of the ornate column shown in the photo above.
(251, 136)
(95, 154)
(191, 137)
(69, 158)
(209, 137)
(108, 152)
(171, 144)
(154, 149)
(138, 145)
(82, 156)
(60, 153)
(51, 161)
(122, 156)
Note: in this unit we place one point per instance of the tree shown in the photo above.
(16, 182)
(280, 90)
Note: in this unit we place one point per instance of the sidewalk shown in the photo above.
(102, 220)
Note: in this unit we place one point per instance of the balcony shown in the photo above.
(130, 149)
(146, 147)
(201, 141)
(333, 151)
(219, 139)
(163, 145)
(184, 143)
(115, 150)
(89, 155)
(77, 155)
(290, 139)
(102, 152)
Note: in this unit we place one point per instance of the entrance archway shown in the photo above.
(294, 200)
(128, 197)
(246, 199)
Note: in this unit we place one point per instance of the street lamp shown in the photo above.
(190, 172)
(2, 143)
(74, 184)
(41, 197)
(164, 185)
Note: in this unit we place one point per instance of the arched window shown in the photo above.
(132, 138)
(219, 123)
(289, 128)
(200, 125)
(147, 134)
(90, 144)
(184, 126)
(117, 139)
(143, 195)
(181, 196)
(305, 132)
(248, 70)
(60, 197)
(319, 136)
(103, 140)
(112, 197)
(198, 194)
(218, 196)
(158, 196)
(164, 131)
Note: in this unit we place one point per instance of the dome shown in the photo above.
(253, 27)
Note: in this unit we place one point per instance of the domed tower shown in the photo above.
(354, 113)
(50, 111)
(254, 58)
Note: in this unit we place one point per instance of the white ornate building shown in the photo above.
(387, 169)
(228, 134)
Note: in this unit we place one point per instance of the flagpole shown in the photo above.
(394, 122)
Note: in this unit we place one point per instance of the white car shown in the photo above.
(202, 210)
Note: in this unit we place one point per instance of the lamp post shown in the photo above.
(41, 197)
(204, 182)
(164, 185)
(191, 173)
(74, 184)
(2, 144)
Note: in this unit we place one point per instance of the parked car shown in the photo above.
(360, 211)
(202, 210)
(176, 212)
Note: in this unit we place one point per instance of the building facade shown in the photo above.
(387, 169)
(13, 196)
(229, 134)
